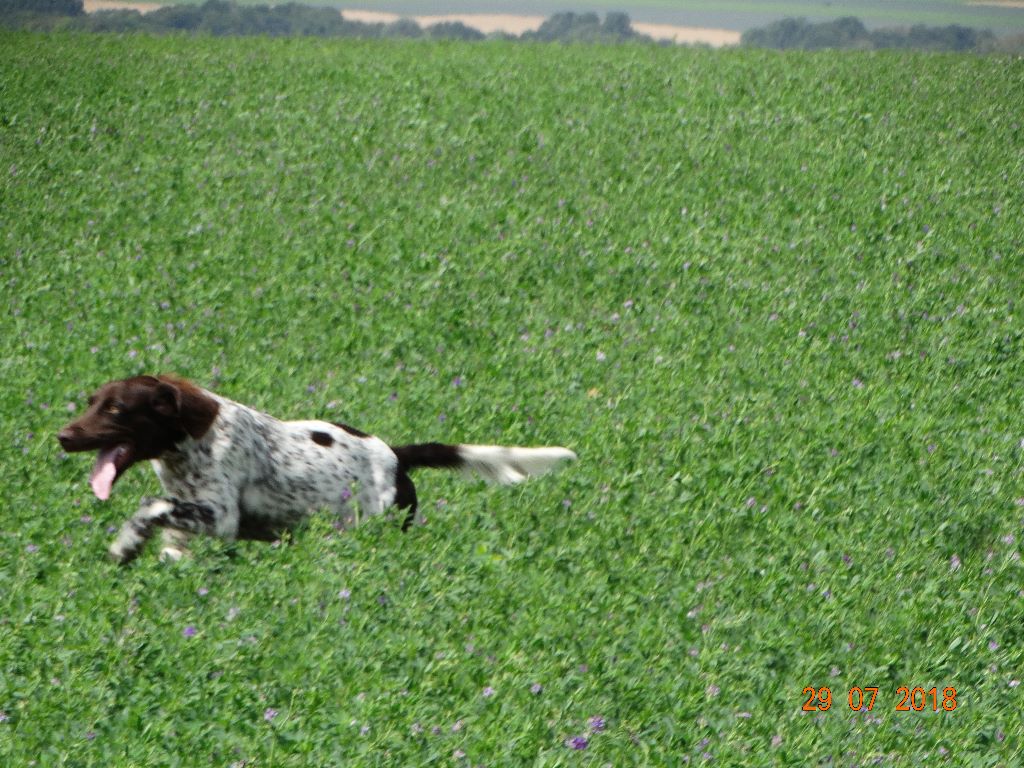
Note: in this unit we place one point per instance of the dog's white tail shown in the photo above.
(506, 466)
(497, 463)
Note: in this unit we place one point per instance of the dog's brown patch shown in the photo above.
(351, 430)
(322, 438)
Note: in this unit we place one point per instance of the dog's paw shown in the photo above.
(121, 554)
(127, 545)
(172, 554)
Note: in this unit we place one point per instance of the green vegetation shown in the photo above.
(773, 301)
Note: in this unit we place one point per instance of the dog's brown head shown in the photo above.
(134, 420)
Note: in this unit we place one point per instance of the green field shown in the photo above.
(773, 302)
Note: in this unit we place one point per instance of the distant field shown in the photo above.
(772, 300)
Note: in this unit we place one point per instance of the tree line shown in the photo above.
(851, 33)
(225, 17)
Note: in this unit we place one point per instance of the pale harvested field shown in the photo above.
(91, 6)
(485, 22)
(999, 3)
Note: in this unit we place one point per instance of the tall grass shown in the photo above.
(771, 300)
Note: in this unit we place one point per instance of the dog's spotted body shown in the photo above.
(231, 471)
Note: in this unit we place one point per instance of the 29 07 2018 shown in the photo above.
(907, 699)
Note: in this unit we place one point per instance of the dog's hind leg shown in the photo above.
(405, 498)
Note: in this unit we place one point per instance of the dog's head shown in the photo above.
(134, 420)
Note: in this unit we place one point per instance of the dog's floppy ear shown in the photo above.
(166, 399)
(194, 408)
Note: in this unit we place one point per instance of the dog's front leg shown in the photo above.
(172, 514)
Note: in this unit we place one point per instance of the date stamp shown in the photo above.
(863, 699)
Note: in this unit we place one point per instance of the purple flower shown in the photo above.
(601, 357)
(269, 714)
(458, 754)
(536, 688)
(954, 563)
(993, 645)
(31, 549)
(713, 690)
(776, 740)
(3, 716)
(596, 724)
(90, 735)
(189, 631)
(364, 730)
(345, 594)
(457, 381)
(456, 726)
(346, 493)
(203, 591)
(488, 692)
(577, 742)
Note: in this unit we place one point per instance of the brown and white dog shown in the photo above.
(231, 471)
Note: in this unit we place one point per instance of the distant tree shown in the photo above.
(453, 30)
(785, 33)
(618, 25)
(851, 33)
(951, 38)
(403, 28)
(846, 32)
(175, 17)
(567, 27)
(1009, 44)
(48, 7)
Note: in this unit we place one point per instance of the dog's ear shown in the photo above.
(166, 399)
(195, 409)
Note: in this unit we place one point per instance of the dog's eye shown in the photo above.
(113, 409)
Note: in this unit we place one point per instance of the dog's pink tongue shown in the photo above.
(104, 473)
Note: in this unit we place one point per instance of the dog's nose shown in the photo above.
(66, 436)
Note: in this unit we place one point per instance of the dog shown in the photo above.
(230, 471)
